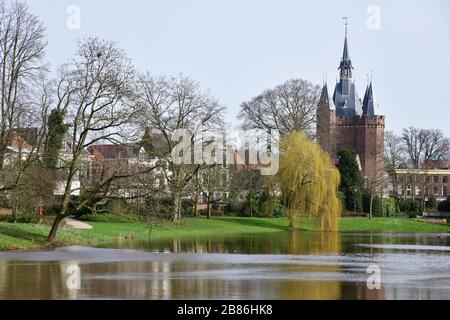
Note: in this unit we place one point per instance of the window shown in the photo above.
(436, 179)
(409, 190)
(417, 191)
(445, 191)
(436, 191)
(445, 179)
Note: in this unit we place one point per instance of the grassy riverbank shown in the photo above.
(32, 236)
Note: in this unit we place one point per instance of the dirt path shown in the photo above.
(76, 224)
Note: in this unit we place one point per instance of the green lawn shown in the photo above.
(390, 225)
(31, 236)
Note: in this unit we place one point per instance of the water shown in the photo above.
(282, 265)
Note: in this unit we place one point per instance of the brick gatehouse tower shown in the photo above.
(346, 122)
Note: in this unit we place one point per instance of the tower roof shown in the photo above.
(346, 61)
(346, 54)
(370, 105)
(345, 96)
(325, 99)
(347, 101)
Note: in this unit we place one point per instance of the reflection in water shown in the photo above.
(284, 265)
(318, 243)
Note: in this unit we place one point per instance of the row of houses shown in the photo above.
(99, 160)
(423, 183)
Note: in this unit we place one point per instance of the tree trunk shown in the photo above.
(371, 203)
(62, 215)
(208, 206)
(382, 204)
(289, 214)
(196, 204)
(251, 204)
(3, 147)
(52, 236)
(177, 209)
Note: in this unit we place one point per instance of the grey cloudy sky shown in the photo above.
(237, 48)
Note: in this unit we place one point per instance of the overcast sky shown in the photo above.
(238, 48)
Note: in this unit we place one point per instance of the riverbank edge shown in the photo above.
(33, 236)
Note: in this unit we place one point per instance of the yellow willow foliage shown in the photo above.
(309, 182)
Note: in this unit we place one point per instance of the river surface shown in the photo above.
(281, 265)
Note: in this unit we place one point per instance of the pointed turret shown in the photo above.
(370, 105)
(325, 100)
(326, 122)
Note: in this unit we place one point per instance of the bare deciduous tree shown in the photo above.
(171, 103)
(414, 141)
(22, 47)
(24, 92)
(436, 146)
(26, 141)
(120, 178)
(214, 184)
(288, 107)
(394, 158)
(423, 145)
(94, 88)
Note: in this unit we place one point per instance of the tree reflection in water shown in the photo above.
(284, 265)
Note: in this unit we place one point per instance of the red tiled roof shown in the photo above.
(110, 151)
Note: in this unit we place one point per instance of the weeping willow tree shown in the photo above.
(309, 183)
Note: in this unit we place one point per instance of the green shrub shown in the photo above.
(120, 206)
(376, 205)
(20, 219)
(272, 207)
(389, 207)
(230, 213)
(234, 207)
(187, 207)
(253, 204)
(111, 218)
(411, 207)
(432, 202)
(160, 207)
(444, 205)
(52, 210)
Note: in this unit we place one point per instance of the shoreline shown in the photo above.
(33, 236)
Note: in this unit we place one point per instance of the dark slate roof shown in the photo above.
(348, 103)
(346, 61)
(370, 105)
(325, 99)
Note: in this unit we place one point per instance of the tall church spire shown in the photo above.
(346, 63)
(345, 97)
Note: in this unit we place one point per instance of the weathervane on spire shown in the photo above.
(345, 24)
